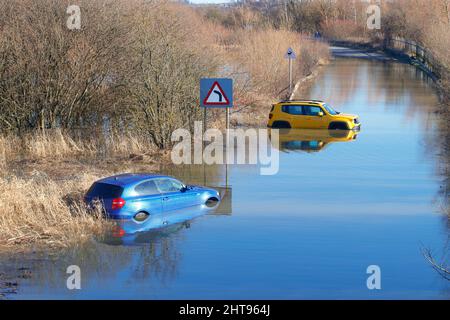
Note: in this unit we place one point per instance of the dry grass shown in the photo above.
(40, 211)
(4, 145)
(344, 30)
(129, 144)
(56, 144)
(260, 54)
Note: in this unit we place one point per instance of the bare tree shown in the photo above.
(161, 88)
(52, 76)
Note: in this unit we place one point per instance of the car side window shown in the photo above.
(294, 110)
(169, 185)
(177, 184)
(312, 111)
(146, 188)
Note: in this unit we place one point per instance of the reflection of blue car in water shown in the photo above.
(147, 201)
(126, 232)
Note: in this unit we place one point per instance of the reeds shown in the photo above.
(40, 211)
(58, 144)
(3, 145)
(260, 54)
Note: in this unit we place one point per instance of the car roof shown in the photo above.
(303, 101)
(130, 178)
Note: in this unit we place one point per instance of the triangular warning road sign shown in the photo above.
(216, 96)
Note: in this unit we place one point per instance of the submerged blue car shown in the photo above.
(140, 197)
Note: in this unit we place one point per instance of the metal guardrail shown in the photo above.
(421, 55)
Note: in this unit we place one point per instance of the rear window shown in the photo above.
(105, 191)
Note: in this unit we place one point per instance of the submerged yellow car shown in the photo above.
(310, 114)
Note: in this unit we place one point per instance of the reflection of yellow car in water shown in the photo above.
(311, 140)
(310, 114)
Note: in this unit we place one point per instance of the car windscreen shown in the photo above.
(330, 109)
(105, 191)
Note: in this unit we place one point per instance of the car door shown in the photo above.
(295, 115)
(147, 198)
(173, 195)
(315, 118)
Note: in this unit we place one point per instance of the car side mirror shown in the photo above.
(320, 114)
(183, 189)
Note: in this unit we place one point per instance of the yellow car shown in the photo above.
(310, 114)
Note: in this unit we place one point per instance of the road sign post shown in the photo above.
(217, 93)
(290, 77)
(290, 55)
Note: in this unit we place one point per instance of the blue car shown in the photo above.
(148, 198)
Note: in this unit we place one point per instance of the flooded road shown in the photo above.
(337, 205)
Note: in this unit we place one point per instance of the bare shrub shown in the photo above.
(166, 60)
(51, 76)
(438, 40)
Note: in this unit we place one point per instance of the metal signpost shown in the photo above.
(218, 93)
(290, 55)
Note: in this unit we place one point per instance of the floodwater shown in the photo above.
(338, 205)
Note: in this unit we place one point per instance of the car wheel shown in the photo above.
(338, 126)
(212, 202)
(141, 216)
(281, 125)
